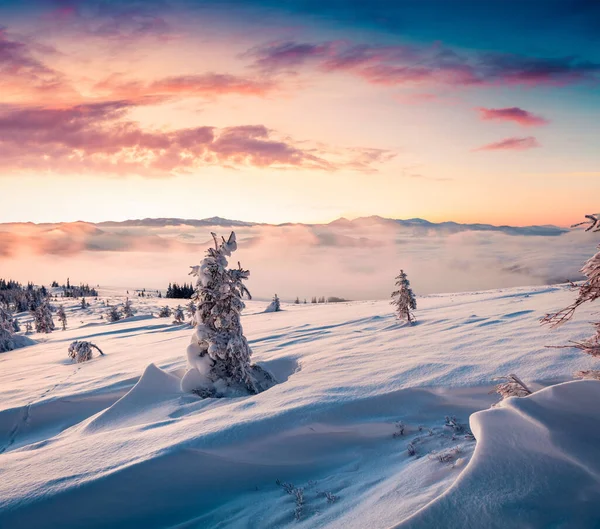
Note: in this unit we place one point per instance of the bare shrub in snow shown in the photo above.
(81, 351)
(219, 354)
(128, 311)
(404, 299)
(447, 456)
(592, 374)
(400, 427)
(512, 386)
(178, 314)
(275, 305)
(113, 314)
(297, 493)
(164, 312)
(28, 328)
(410, 448)
(42, 316)
(62, 317)
(452, 422)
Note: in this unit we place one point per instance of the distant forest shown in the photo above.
(184, 291)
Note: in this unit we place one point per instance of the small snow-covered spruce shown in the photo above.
(219, 354)
(164, 312)
(6, 331)
(275, 305)
(28, 328)
(42, 316)
(404, 299)
(81, 351)
(128, 311)
(113, 314)
(190, 309)
(62, 317)
(178, 314)
(84, 303)
(512, 386)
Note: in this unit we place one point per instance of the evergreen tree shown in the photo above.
(313, 300)
(297, 302)
(164, 312)
(275, 305)
(81, 351)
(42, 316)
(178, 314)
(113, 314)
(28, 328)
(6, 331)
(190, 308)
(128, 311)
(219, 354)
(62, 317)
(84, 303)
(404, 299)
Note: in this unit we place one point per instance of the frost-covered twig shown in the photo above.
(447, 456)
(513, 387)
(592, 374)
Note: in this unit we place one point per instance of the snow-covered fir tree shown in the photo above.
(588, 291)
(178, 315)
(113, 313)
(6, 331)
(297, 301)
(404, 299)
(164, 312)
(62, 317)
(275, 305)
(84, 303)
(219, 354)
(28, 328)
(81, 351)
(128, 311)
(42, 317)
(190, 309)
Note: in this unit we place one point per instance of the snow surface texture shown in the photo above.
(543, 448)
(113, 442)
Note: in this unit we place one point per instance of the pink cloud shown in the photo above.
(515, 114)
(511, 144)
(99, 137)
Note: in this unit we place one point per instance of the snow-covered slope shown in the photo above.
(113, 443)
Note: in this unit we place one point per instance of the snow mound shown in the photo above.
(20, 340)
(139, 405)
(536, 464)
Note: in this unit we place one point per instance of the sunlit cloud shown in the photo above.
(511, 144)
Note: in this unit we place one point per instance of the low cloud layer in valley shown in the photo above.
(351, 259)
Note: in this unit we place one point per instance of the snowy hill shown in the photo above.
(113, 443)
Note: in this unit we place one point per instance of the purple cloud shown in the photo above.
(514, 114)
(437, 64)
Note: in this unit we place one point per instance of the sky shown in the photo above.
(300, 110)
